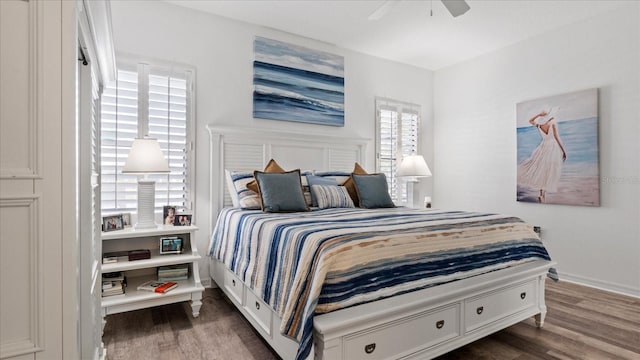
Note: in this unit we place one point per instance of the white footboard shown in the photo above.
(417, 325)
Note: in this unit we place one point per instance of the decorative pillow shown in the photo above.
(241, 196)
(351, 187)
(331, 196)
(281, 192)
(306, 190)
(318, 180)
(231, 189)
(272, 167)
(372, 191)
(339, 176)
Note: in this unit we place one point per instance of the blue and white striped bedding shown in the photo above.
(316, 262)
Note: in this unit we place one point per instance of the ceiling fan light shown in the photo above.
(456, 7)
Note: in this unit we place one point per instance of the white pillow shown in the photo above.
(231, 189)
(241, 196)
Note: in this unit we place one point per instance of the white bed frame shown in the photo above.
(418, 325)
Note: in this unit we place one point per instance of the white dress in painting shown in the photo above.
(542, 169)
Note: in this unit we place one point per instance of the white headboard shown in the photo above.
(240, 148)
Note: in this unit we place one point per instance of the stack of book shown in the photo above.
(158, 286)
(114, 257)
(113, 283)
(173, 272)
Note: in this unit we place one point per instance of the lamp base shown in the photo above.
(146, 204)
(410, 192)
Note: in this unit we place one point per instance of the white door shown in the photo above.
(38, 296)
(89, 206)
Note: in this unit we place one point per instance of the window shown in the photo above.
(396, 136)
(148, 100)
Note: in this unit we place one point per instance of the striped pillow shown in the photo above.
(339, 177)
(243, 197)
(331, 196)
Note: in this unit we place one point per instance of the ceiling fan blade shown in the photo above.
(383, 10)
(456, 7)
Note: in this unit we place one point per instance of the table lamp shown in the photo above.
(413, 167)
(146, 158)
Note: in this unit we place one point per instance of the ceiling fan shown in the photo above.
(455, 7)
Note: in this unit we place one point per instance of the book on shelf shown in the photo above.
(173, 272)
(113, 283)
(114, 257)
(112, 288)
(158, 286)
(113, 276)
(173, 278)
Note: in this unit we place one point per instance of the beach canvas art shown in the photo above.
(294, 83)
(558, 149)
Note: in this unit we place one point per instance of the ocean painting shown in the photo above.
(294, 83)
(558, 149)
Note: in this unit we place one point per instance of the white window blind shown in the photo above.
(397, 136)
(153, 103)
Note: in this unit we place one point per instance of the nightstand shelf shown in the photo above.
(155, 261)
(140, 271)
(135, 299)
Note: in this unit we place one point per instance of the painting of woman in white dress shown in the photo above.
(558, 150)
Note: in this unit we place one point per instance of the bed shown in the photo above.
(432, 280)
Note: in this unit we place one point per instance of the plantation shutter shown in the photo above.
(397, 136)
(168, 124)
(118, 129)
(154, 103)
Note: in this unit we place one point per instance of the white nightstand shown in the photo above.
(139, 271)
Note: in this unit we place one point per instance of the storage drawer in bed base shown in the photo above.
(417, 325)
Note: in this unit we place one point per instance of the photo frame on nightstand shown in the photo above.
(171, 245)
(182, 220)
(126, 219)
(112, 222)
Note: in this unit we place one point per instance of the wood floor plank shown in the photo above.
(582, 324)
(601, 330)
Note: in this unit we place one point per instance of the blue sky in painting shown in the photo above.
(298, 57)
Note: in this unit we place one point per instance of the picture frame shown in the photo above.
(310, 83)
(112, 223)
(168, 214)
(126, 220)
(182, 220)
(557, 149)
(171, 245)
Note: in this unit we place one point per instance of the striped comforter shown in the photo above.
(310, 263)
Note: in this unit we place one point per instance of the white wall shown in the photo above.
(475, 141)
(221, 50)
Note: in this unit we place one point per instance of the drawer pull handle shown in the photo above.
(233, 282)
(369, 348)
(440, 324)
(479, 310)
(523, 295)
(257, 305)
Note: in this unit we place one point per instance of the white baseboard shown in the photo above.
(601, 285)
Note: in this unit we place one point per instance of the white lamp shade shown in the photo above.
(414, 166)
(145, 157)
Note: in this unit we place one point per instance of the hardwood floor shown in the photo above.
(581, 323)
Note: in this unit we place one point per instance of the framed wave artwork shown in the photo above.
(294, 83)
(558, 149)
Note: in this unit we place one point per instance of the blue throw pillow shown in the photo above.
(281, 192)
(373, 191)
(331, 196)
(318, 180)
